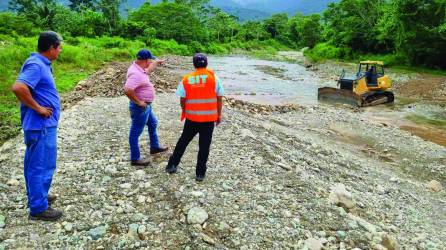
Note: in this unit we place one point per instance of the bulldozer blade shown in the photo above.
(339, 95)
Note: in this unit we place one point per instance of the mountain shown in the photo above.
(288, 6)
(244, 9)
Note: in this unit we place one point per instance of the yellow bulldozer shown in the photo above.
(370, 86)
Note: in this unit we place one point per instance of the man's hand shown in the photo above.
(45, 111)
(142, 104)
(160, 62)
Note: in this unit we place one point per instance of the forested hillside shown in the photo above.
(243, 9)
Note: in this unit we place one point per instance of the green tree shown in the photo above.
(110, 9)
(40, 12)
(12, 24)
(222, 26)
(276, 25)
(420, 30)
(84, 23)
(354, 24)
(306, 30)
(253, 30)
(78, 5)
(171, 21)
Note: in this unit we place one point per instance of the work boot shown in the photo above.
(51, 198)
(158, 150)
(199, 178)
(171, 169)
(50, 214)
(141, 162)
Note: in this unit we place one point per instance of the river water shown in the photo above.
(278, 83)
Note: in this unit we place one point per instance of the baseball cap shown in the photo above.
(200, 60)
(144, 55)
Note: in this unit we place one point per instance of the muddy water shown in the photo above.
(423, 119)
(266, 82)
(278, 83)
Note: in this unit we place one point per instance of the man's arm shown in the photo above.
(23, 93)
(220, 107)
(182, 103)
(154, 64)
(130, 93)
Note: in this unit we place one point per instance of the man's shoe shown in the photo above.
(141, 162)
(171, 169)
(48, 215)
(51, 198)
(199, 178)
(158, 150)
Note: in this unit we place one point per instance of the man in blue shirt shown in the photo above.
(40, 110)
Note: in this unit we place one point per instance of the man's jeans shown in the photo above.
(142, 117)
(40, 163)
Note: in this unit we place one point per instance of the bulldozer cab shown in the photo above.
(371, 70)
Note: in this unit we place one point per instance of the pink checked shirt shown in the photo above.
(138, 80)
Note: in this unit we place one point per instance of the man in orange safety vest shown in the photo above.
(201, 102)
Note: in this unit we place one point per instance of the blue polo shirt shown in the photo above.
(37, 73)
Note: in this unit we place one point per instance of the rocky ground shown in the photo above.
(311, 177)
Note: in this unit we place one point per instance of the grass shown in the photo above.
(441, 123)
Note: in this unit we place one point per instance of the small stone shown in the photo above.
(322, 234)
(207, 239)
(197, 215)
(68, 227)
(287, 214)
(106, 179)
(126, 186)
(341, 234)
(389, 242)
(111, 170)
(380, 189)
(339, 196)
(142, 229)
(261, 209)
(434, 186)
(2, 221)
(13, 182)
(363, 223)
(133, 231)
(313, 244)
(141, 199)
(352, 225)
(197, 194)
(140, 174)
(393, 179)
(223, 226)
(97, 232)
(246, 133)
(137, 217)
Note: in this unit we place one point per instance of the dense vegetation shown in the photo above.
(403, 32)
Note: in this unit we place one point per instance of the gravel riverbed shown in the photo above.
(295, 177)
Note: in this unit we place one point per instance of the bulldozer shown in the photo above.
(370, 86)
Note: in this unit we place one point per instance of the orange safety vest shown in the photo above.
(201, 97)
